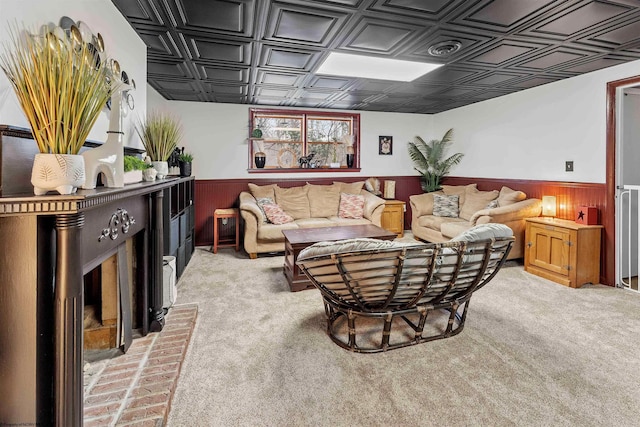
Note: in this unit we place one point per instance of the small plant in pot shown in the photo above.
(133, 169)
(160, 135)
(185, 160)
(62, 86)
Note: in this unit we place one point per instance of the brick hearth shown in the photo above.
(135, 389)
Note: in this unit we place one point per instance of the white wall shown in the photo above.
(121, 43)
(155, 100)
(530, 134)
(216, 134)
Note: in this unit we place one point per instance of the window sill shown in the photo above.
(301, 170)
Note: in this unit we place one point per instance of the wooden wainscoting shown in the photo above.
(223, 193)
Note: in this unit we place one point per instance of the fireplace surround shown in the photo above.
(47, 244)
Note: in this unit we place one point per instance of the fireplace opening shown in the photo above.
(114, 309)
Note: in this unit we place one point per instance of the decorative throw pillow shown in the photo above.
(275, 214)
(264, 201)
(351, 206)
(445, 206)
(492, 204)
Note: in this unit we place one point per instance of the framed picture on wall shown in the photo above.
(385, 145)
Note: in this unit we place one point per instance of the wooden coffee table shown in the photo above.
(300, 238)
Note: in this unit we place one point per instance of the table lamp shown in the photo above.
(549, 206)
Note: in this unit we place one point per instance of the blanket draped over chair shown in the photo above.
(381, 295)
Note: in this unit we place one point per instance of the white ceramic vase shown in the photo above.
(162, 168)
(63, 173)
(149, 174)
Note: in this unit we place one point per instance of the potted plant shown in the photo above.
(62, 86)
(185, 160)
(160, 135)
(428, 158)
(133, 169)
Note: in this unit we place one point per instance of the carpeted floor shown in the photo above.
(532, 353)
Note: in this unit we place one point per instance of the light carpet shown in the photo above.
(532, 353)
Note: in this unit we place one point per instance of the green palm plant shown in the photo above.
(428, 158)
(160, 135)
(61, 86)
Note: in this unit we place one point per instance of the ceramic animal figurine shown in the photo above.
(108, 159)
(305, 161)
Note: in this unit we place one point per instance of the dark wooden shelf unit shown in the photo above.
(179, 220)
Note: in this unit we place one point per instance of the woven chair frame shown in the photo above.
(402, 294)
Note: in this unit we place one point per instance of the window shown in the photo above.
(294, 140)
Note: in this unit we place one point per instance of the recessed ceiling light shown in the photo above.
(342, 64)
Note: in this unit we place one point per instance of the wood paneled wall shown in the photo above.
(213, 194)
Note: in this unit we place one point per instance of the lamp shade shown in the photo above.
(548, 205)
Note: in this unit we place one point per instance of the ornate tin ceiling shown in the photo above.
(266, 52)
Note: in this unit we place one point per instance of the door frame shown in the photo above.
(609, 220)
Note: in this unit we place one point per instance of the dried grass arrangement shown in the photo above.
(62, 86)
(160, 135)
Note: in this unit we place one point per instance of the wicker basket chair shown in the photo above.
(380, 295)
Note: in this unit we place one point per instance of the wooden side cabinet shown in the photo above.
(393, 216)
(563, 251)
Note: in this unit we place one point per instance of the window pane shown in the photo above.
(324, 152)
(280, 128)
(282, 155)
(327, 130)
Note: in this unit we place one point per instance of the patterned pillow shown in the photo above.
(264, 201)
(492, 204)
(351, 206)
(275, 214)
(446, 206)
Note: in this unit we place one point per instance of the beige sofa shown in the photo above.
(309, 205)
(507, 206)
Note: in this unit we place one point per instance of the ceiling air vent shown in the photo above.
(445, 48)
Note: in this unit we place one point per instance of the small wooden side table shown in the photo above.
(220, 214)
(393, 216)
(563, 251)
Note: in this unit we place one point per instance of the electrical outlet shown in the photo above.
(568, 166)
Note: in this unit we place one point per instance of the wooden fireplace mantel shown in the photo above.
(47, 244)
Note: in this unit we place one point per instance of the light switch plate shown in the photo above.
(568, 166)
